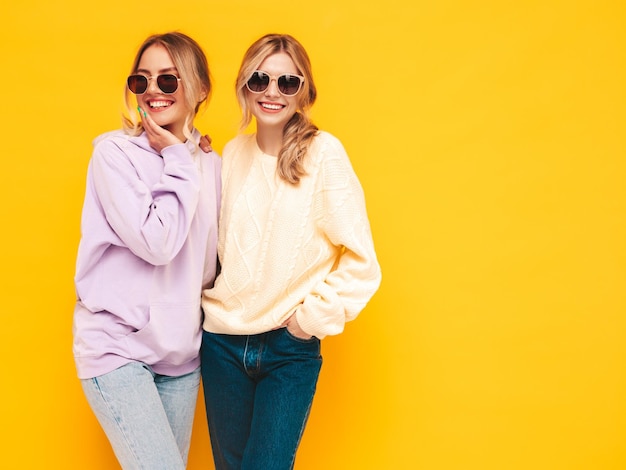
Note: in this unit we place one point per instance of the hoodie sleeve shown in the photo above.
(151, 220)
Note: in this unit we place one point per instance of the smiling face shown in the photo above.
(272, 109)
(168, 110)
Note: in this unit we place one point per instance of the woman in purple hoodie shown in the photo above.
(148, 248)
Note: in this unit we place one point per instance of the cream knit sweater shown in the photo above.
(283, 248)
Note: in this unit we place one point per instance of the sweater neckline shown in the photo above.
(260, 152)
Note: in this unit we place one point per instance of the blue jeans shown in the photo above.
(147, 417)
(258, 391)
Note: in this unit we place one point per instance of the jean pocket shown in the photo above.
(293, 337)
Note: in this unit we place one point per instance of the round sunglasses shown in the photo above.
(167, 83)
(288, 83)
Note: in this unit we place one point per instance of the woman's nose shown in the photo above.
(152, 85)
(272, 88)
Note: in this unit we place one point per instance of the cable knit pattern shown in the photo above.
(306, 249)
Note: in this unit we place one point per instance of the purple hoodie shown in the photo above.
(148, 248)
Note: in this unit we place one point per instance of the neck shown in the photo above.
(270, 139)
(178, 131)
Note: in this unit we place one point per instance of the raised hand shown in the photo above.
(158, 137)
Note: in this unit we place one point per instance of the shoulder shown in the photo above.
(236, 143)
(327, 138)
(335, 166)
(239, 150)
(326, 143)
(117, 149)
(117, 136)
(325, 146)
(114, 143)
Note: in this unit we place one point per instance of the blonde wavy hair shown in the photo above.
(193, 70)
(299, 130)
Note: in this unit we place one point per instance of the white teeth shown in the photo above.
(159, 104)
(271, 106)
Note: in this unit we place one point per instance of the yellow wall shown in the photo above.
(490, 139)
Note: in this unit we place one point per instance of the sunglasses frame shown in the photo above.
(178, 79)
(276, 78)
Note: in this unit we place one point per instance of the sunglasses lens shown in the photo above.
(168, 83)
(138, 84)
(258, 82)
(288, 84)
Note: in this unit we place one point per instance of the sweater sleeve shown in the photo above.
(343, 219)
(151, 220)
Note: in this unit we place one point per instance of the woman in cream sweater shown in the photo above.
(297, 259)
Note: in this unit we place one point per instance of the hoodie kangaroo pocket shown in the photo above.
(173, 334)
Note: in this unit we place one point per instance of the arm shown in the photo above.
(346, 289)
(151, 221)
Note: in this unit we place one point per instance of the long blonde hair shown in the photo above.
(299, 130)
(193, 68)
